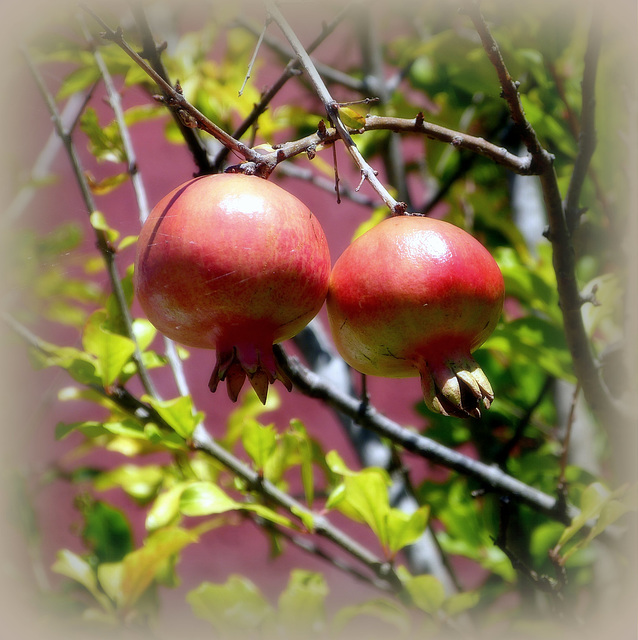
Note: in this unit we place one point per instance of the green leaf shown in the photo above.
(110, 576)
(111, 350)
(98, 222)
(141, 566)
(233, 607)
(367, 493)
(89, 428)
(250, 408)
(259, 442)
(105, 143)
(537, 340)
(591, 502)
(351, 118)
(404, 529)
(72, 566)
(427, 593)
(205, 498)
(460, 602)
(383, 609)
(139, 481)
(306, 454)
(81, 366)
(165, 508)
(107, 532)
(177, 413)
(302, 604)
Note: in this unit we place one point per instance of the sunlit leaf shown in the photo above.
(426, 592)
(205, 498)
(259, 442)
(72, 566)
(141, 565)
(166, 507)
(177, 413)
(404, 529)
(141, 482)
(111, 350)
(302, 604)
(351, 118)
(233, 607)
(384, 610)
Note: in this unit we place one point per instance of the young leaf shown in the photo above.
(404, 529)
(107, 532)
(302, 604)
(141, 565)
(351, 118)
(305, 449)
(205, 498)
(233, 607)
(259, 442)
(427, 593)
(165, 508)
(72, 566)
(111, 350)
(367, 493)
(177, 413)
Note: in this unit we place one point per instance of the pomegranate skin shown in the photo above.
(416, 296)
(233, 263)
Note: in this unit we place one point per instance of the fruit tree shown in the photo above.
(411, 227)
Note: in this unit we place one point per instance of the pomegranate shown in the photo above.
(416, 296)
(233, 263)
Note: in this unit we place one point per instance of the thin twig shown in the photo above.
(251, 64)
(291, 70)
(587, 133)
(332, 110)
(103, 244)
(139, 190)
(331, 74)
(153, 54)
(173, 98)
(204, 442)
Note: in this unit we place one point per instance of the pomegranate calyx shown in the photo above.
(455, 387)
(234, 365)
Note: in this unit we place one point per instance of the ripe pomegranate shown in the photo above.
(415, 296)
(234, 263)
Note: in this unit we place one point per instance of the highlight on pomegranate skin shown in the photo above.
(233, 263)
(416, 296)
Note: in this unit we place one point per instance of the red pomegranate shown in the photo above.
(233, 263)
(416, 296)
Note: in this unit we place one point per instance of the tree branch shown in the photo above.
(490, 477)
(291, 70)
(173, 98)
(102, 241)
(332, 109)
(152, 53)
(587, 134)
(603, 405)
